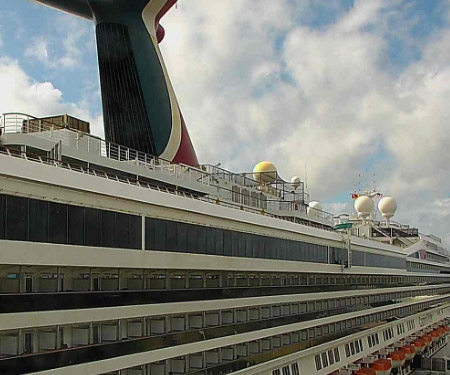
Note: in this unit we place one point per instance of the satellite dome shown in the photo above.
(387, 206)
(265, 172)
(364, 206)
(314, 209)
(295, 182)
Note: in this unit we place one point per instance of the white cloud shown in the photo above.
(254, 85)
(23, 95)
(63, 48)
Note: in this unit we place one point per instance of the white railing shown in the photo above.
(22, 123)
(11, 123)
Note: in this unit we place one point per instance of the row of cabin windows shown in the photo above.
(293, 369)
(373, 340)
(400, 329)
(388, 334)
(168, 235)
(327, 358)
(436, 258)
(267, 343)
(416, 266)
(25, 219)
(354, 347)
(411, 324)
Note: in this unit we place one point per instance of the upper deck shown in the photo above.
(43, 141)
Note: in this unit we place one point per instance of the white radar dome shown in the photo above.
(295, 182)
(265, 172)
(364, 206)
(387, 206)
(314, 209)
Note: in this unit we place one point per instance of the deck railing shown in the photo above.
(11, 123)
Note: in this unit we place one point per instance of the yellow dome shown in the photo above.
(265, 172)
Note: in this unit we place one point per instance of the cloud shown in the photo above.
(37, 98)
(271, 80)
(256, 85)
(62, 47)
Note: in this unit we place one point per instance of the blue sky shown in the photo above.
(339, 85)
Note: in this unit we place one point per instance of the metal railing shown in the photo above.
(13, 123)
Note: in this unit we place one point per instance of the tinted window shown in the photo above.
(2, 216)
(160, 235)
(172, 236)
(135, 232)
(235, 243)
(248, 245)
(93, 227)
(122, 232)
(182, 237)
(38, 220)
(219, 241)
(227, 243)
(201, 240)
(192, 239)
(16, 218)
(108, 228)
(76, 225)
(57, 231)
(210, 241)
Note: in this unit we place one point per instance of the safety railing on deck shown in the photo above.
(22, 123)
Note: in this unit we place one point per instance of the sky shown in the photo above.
(354, 92)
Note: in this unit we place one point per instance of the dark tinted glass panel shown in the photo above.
(38, 220)
(219, 241)
(241, 244)
(227, 243)
(93, 227)
(108, 228)
(201, 242)
(160, 235)
(304, 252)
(57, 219)
(2, 216)
(135, 232)
(16, 218)
(122, 233)
(272, 248)
(248, 245)
(149, 233)
(210, 241)
(172, 235)
(76, 225)
(358, 258)
(182, 237)
(235, 243)
(256, 246)
(192, 239)
(290, 250)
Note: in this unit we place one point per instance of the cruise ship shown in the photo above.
(127, 256)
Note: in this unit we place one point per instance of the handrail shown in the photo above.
(143, 184)
(296, 201)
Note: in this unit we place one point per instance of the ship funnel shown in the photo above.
(140, 109)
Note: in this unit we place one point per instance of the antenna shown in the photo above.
(306, 177)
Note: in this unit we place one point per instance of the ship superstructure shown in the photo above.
(126, 256)
(114, 261)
